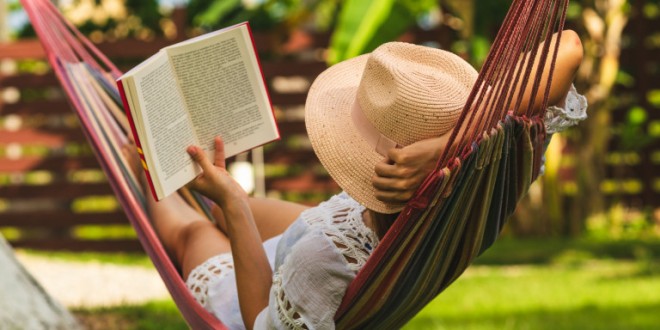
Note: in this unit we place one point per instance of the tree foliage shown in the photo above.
(115, 19)
(363, 25)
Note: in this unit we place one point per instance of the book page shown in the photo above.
(165, 123)
(220, 79)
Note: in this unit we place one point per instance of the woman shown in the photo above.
(273, 264)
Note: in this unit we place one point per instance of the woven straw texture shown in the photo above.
(407, 92)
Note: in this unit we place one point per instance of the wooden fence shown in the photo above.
(54, 196)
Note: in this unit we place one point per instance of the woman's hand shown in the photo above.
(253, 272)
(215, 182)
(402, 172)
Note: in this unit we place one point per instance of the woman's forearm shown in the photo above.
(569, 57)
(253, 272)
(568, 61)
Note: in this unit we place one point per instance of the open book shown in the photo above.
(191, 92)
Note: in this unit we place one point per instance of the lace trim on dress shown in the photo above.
(214, 268)
(574, 110)
(340, 219)
(285, 311)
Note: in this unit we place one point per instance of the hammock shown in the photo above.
(457, 213)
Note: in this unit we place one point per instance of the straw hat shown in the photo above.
(360, 108)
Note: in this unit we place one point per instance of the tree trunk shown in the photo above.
(600, 28)
(23, 302)
(603, 21)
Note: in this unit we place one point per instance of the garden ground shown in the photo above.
(532, 284)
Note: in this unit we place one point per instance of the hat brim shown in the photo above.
(344, 153)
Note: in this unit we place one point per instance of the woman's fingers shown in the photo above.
(392, 184)
(393, 196)
(387, 170)
(219, 155)
(215, 183)
(199, 156)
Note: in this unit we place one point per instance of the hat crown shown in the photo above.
(410, 92)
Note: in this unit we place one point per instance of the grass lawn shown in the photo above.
(156, 315)
(546, 284)
(598, 294)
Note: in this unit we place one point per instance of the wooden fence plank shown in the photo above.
(40, 137)
(52, 138)
(30, 81)
(22, 49)
(70, 244)
(36, 107)
(60, 219)
(292, 127)
(288, 99)
(60, 189)
(61, 164)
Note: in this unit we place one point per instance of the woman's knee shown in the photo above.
(571, 50)
(190, 233)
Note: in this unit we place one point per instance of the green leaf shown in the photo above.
(365, 24)
(637, 116)
(480, 49)
(654, 97)
(574, 10)
(216, 12)
(356, 22)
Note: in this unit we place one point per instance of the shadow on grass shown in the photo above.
(545, 251)
(645, 269)
(585, 318)
(157, 315)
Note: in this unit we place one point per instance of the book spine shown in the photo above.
(263, 78)
(127, 110)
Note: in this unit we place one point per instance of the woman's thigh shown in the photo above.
(271, 216)
(200, 241)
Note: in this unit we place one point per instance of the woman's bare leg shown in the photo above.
(187, 236)
(271, 216)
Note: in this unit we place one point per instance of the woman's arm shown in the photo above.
(253, 272)
(569, 58)
(399, 175)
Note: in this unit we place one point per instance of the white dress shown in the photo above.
(317, 257)
(314, 260)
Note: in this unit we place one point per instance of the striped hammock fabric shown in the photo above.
(456, 214)
(461, 207)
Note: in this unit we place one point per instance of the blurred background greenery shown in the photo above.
(582, 250)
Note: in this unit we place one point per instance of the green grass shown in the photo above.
(596, 294)
(156, 315)
(528, 284)
(544, 251)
